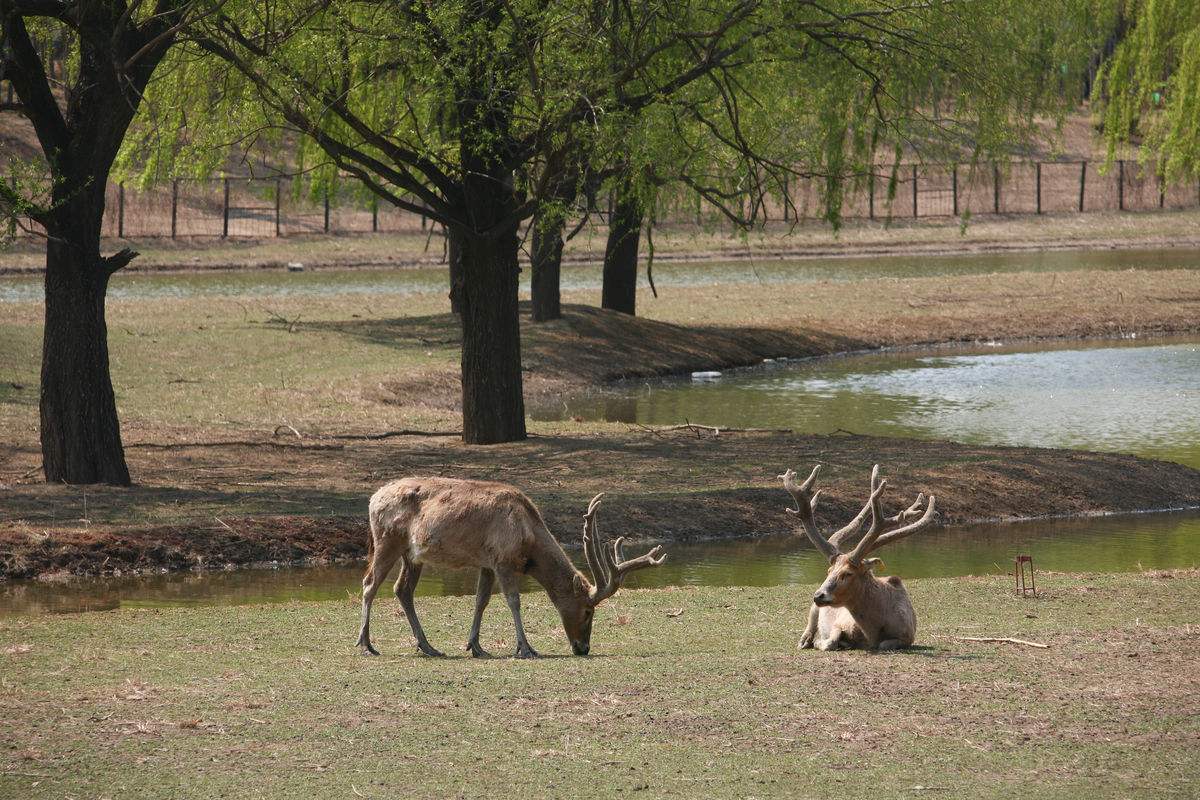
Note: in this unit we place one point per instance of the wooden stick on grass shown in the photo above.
(1004, 639)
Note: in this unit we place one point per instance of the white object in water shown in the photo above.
(295, 266)
(705, 376)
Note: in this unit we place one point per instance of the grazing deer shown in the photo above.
(853, 608)
(493, 527)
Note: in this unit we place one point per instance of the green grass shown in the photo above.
(273, 702)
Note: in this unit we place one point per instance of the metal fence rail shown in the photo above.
(263, 208)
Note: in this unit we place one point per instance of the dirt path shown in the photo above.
(809, 239)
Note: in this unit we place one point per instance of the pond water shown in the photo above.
(1133, 397)
(323, 282)
(1102, 544)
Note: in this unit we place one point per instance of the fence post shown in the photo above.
(225, 211)
(121, 210)
(278, 203)
(1121, 185)
(375, 215)
(1082, 183)
(1039, 187)
(995, 188)
(174, 206)
(914, 191)
(327, 210)
(871, 194)
(1162, 193)
(954, 186)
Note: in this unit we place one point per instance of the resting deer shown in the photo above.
(853, 608)
(496, 528)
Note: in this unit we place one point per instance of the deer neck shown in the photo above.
(553, 569)
(871, 600)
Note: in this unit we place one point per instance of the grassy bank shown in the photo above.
(367, 363)
(696, 692)
(204, 384)
(214, 505)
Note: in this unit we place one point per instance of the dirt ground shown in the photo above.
(679, 242)
(278, 501)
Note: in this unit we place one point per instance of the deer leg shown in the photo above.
(806, 638)
(406, 584)
(890, 644)
(483, 594)
(510, 583)
(382, 560)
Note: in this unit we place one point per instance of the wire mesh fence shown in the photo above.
(263, 208)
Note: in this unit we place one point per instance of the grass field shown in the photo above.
(691, 693)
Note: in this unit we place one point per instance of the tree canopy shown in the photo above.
(1149, 89)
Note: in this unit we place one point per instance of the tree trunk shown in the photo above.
(621, 255)
(81, 436)
(493, 404)
(454, 255)
(547, 266)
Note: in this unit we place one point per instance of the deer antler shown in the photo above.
(806, 501)
(874, 538)
(609, 565)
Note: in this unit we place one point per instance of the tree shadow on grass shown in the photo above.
(591, 345)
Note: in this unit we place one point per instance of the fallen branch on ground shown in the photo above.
(691, 426)
(1003, 639)
(389, 434)
(233, 443)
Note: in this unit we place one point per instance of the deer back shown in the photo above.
(463, 523)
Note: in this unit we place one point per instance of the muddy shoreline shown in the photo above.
(729, 491)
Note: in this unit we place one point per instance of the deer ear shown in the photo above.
(873, 564)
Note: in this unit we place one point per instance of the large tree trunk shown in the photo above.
(619, 291)
(493, 405)
(547, 266)
(454, 256)
(81, 436)
(116, 55)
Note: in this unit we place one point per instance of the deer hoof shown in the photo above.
(805, 643)
(428, 650)
(367, 650)
(527, 652)
(478, 652)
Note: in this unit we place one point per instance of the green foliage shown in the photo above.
(1149, 90)
(727, 99)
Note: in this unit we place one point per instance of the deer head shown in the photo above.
(609, 567)
(849, 570)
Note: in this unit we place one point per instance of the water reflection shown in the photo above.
(325, 282)
(1141, 398)
(1109, 544)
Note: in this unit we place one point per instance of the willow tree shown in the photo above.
(79, 109)
(477, 113)
(853, 85)
(1150, 88)
(464, 111)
